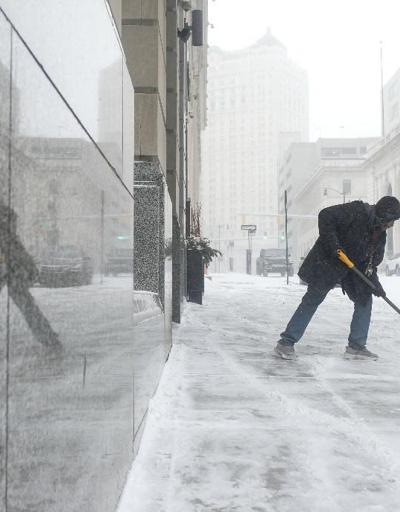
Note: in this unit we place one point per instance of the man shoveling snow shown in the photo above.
(359, 230)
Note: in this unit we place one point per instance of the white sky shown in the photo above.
(337, 42)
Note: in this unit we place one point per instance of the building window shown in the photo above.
(349, 151)
(336, 152)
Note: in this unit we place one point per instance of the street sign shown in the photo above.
(252, 228)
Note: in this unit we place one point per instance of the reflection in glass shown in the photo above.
(129, 129)
(70, 365)
(70, 419)
(5, 90)
(90, 72)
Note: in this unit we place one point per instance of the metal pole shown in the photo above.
(102, 237)
(286, 239)
(219, 247)
(249, 255)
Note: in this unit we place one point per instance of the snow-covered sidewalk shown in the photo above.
(232, 428)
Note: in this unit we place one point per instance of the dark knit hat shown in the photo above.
(387, 209)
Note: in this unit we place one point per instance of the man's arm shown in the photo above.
(379, 291)
(328, 221)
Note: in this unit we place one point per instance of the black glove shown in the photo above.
(379, 291)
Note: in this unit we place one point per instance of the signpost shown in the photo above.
(286, 239)
(251, 230)
(249, 227)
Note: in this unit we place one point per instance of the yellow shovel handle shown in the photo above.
(342, 256)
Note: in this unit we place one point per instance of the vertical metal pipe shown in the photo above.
(102, 237)
(286, 239)
(84, 371)
(219, 247)
(382, 102)
(182, 166)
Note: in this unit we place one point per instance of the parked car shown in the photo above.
(392, 266)
(119, 261)
(272, 261)
(65, 265)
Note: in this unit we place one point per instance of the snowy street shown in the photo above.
(233, 428)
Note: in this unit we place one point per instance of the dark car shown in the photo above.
(272, 261)
(119, 261)
(392, 266)
(65, 266)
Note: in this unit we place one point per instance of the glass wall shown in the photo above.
(69, 325)
(75, 377)
(80, 352)
(78, 47)
(5, 93)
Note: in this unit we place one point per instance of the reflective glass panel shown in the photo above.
(5, 122)
(78, 46)
(70, 314)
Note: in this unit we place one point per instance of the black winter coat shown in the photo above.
(349, 227)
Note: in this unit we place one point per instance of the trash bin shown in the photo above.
(195, 276)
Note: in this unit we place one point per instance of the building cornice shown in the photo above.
(385, 150)
(322, 169)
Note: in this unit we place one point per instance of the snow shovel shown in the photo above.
(347, 261)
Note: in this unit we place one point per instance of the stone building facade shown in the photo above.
(157, 36)
(316, 175)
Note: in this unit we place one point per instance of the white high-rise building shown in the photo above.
(257, 106)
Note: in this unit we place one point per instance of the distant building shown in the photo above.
(301, 160)
(383, 168)
(110, 119)
(391, 105)
(257, 106)
(52, 215)
(316, 175)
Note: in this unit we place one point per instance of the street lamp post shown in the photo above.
(219, 247)
(343, 193)
(251, 230)
(286, 239)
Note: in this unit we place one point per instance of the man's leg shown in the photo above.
(360, 324)
(302, 316)
(34, 317)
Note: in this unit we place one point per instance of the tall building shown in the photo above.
(257, 106)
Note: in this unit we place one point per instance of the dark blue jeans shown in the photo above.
(312, 299)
